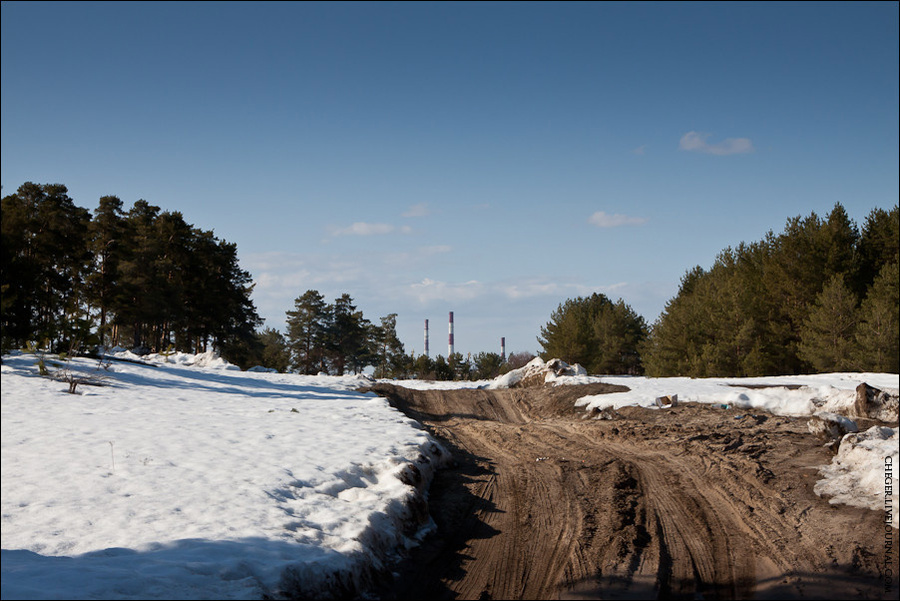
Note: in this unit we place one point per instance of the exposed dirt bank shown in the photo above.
(689, 502)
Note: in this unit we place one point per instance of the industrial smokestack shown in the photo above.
(426, 337)
(450, 342)
(503, 349)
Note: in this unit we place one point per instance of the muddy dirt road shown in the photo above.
(691, 502)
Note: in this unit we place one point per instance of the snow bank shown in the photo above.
(210, 359)
(780, 395)
(858, 476)
(185, 479)
(538, 372)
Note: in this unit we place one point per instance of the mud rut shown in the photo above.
(692, 502)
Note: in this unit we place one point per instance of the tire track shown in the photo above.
(545, 504)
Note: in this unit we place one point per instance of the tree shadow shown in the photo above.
(430, 569)
(245, 568)
(838, 582)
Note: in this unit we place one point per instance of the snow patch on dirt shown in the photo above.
(858, 475)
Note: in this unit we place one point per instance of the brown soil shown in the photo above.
(692, 502)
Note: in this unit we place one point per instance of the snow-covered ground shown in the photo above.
(188, 479)
(781, 395)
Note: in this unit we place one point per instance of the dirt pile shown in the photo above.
(877, 404)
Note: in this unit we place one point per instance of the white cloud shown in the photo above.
(437, 249)
(696, 142)
(601, 219)
(281, 273)
(429, 290)
(361, 228)
(530, 288)
(417, 210)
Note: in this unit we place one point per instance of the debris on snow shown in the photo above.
(831, 427)
(537, 373)
(875, 403)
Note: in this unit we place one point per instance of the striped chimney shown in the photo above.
(450, 340)
(503, 349)
(426, 337)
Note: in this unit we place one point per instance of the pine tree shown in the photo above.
(423, 367)
(44, 263)
(140, 299)
(19, 272)
(486, 366)
(107, 243)
(568, 334)
(460, 366)
(234, 317)
(677, 335)
(838, 238)
(349, 341)
(827, 335)
(618, 332)
(603, 336)
(172, 264)
(442, 370)
(275, 352)
(878, 245)
(878, 334)
(390, 355)
(307, 332)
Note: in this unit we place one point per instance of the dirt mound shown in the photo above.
(683, 502)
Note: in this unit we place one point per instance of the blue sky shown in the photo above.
(491, 159)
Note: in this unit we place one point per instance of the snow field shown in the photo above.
(183, 481)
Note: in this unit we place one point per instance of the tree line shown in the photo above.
(140, 277)
(145, 279)
(335, 338)
(821, 296)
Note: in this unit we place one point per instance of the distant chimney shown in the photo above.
(450, 341)
(503, 349)
(426, 337)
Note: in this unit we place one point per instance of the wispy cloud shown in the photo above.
(640, 150)
(417, 210)
(696, 142)
(601, 219)
(380, 285)
(429, 290)
(437, 249)
(361, 228)
(531, 288)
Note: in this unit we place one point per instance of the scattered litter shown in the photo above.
(607, 413)
(666, 401)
